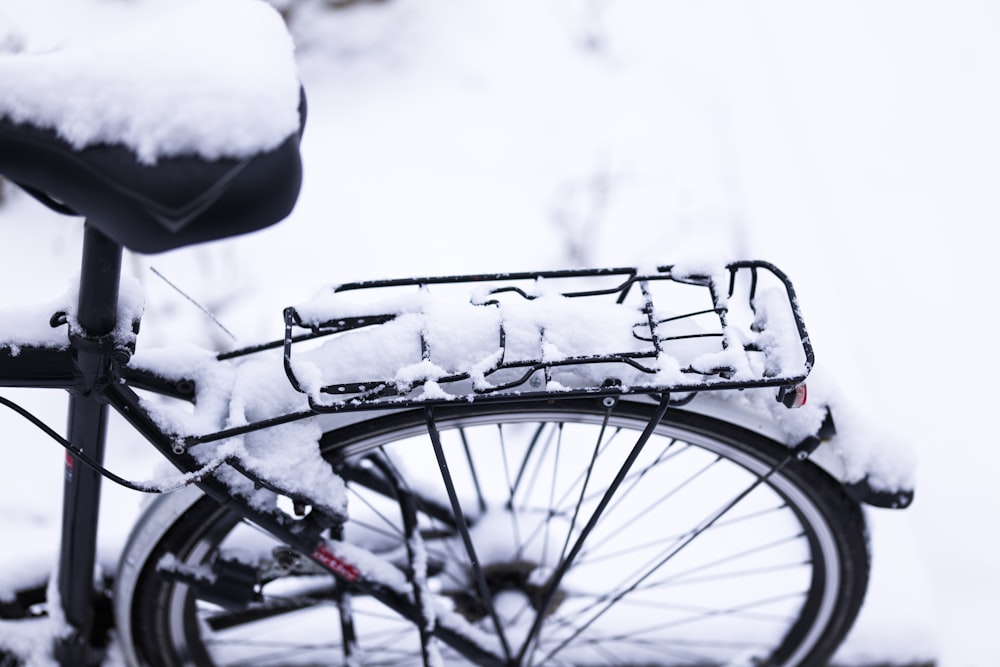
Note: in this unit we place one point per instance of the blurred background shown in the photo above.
(854, 144)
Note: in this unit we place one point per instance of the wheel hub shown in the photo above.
(518, 576)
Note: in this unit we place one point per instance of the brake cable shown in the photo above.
(145, 487)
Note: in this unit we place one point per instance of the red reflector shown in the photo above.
(801, 393)
(795, 397)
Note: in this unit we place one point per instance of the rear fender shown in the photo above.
(754, 411)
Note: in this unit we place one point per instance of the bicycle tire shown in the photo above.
(777, 580)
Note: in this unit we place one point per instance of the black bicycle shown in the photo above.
(568, 467)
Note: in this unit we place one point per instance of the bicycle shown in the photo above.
(505, 469)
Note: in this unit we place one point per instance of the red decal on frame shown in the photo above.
(334, 563)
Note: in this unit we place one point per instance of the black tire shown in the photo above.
(775, 580)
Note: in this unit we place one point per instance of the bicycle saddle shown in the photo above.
(153, 208)
(146, 201)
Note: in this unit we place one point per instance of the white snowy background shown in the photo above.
(855, 144)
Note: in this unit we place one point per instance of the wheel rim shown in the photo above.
(737, 591)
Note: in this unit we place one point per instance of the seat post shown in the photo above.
(100, 276)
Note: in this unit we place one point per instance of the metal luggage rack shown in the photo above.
(721, 314)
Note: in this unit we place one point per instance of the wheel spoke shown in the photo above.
(594, 555)
(562, 534)
(670, 493)
(463, 529)
(504, 455)
(473, 473)
(688, 539)
(583, 487)
(595, 516)
(526, 458)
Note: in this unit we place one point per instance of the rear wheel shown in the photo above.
(713, 549)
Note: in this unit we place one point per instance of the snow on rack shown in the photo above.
(473, 337)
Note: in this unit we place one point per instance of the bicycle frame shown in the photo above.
(86, 369)
(92, 369)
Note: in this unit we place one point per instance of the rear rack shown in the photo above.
(432, 340)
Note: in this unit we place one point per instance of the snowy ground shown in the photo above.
(854, 145)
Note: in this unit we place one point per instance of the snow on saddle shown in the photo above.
(163, 122)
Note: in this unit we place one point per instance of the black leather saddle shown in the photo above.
(176, 202)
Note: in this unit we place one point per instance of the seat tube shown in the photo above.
(87, 425)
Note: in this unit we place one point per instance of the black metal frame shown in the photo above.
(93, 368)
(381, 393)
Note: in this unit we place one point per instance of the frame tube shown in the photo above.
(87, 426)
